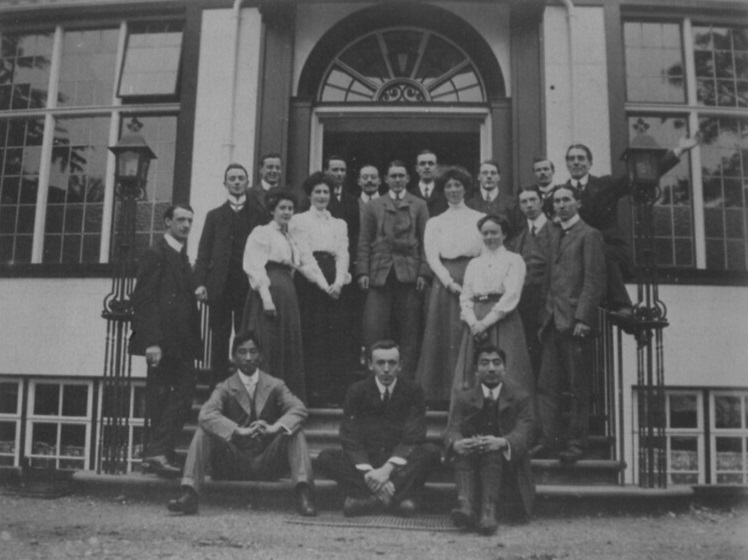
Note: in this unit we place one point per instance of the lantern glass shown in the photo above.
(644, 166)
(128, 162)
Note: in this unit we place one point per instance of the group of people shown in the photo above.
(493, 300)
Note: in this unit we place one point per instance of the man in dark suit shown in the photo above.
(270, 179)
(392, 267)
(166, 330)
(219, 274)
(599, 209)
(385, 457)
(250, 429)
(575, 286)
(427, 167)
(533, 244)
(487, 443)
(489, 198)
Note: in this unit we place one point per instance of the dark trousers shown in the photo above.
(283, 454)
(530, 306)
(170, 388)
(407, 479)
(487, 468)
(567, 362)
(225, 315)
(394, 311)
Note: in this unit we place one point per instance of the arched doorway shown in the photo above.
(389, 81)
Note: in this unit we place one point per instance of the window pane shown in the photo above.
(160, 132)
(720, 58)
(683, 413)
(24, 70)
(88, 66)
(73, 440)
(727, 412)
(654, 62)
(76, 187)
(725, 175)
(75, 400)
(20, 142)
(729, 454)
(44, 439)
(151, 65)
(684, 454)
(47, 399)
(9, 398)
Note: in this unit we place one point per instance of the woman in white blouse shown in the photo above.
(271, 258)
(490, 294)
(323, 319)
(451, 239)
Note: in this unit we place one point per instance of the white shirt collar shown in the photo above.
(237, 201)
(249, 381)
(423, 186)
(265, 185)
(173, 243)
(538, 222)
(382, 388)
(546, 191)
(492, 393)
(396, 196)
(570, 222)
(583, 181)
(498, 252)
(368, 198)
(456, 207)
(492, 194)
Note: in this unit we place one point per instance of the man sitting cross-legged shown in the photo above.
(385, 457)
(250, 429)
(488, 437)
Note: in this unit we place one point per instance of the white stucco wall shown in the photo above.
(212, 152)
(578, 112)
(53, 327)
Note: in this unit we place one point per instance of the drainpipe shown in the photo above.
(228, 143)
(571, 26)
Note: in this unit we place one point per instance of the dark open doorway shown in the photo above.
(379, 148)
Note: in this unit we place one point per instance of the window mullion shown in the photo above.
(37, 249)
(108, 211)
(697, 184)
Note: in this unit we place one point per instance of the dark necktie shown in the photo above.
(386, 396)
(534, 230)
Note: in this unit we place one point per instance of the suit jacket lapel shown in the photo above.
(567, 239)
(239, 392)
(262, 392)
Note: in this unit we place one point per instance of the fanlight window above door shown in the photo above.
(402, 66)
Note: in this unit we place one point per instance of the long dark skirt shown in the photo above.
(442, 336)
(280, 336)
(509, 335)
(323, 332)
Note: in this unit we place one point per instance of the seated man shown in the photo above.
(487, 442)
(385, 458)
(250, 429)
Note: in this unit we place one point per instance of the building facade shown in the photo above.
(213, 82)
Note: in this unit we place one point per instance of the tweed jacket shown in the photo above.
(576, 277)
(230, 406)
(392, 237)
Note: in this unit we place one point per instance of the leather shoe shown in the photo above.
(360, 506)
(407, 507)
(186, 503)
(571, 454)
(161, 466)
(305, 501)
(540, 451)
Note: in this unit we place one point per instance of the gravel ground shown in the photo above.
(81, 527)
